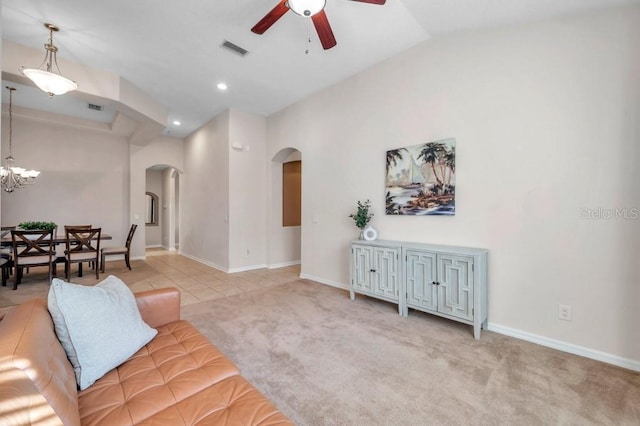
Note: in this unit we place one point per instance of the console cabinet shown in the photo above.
(448, 281)
(376, 272)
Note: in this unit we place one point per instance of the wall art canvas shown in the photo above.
(421, 179)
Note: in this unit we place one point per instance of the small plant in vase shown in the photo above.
(362, 216)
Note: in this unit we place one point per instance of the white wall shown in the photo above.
(84, 177)
(546, 121)
(154, 184)
(204, 194)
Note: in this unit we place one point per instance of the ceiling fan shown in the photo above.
(313, 9)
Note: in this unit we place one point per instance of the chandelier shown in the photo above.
(11, 176)
(45, 76)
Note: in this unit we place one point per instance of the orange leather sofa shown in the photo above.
(179, 378)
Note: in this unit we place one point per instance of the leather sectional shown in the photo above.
(179, 378)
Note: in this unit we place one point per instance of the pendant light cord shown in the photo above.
(11, 89)
(308, 36)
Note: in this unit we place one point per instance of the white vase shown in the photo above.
(369, 233)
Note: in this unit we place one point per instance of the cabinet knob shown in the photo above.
(434, 283)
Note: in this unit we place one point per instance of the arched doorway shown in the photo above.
(285, 229)
(162, 212)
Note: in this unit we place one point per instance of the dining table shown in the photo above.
(7, 241)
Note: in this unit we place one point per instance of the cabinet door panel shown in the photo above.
(385, 272)
(420, 274)
(455, 292)
(361, 268)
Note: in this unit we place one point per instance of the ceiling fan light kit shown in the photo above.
(313, 9)
(45, 76)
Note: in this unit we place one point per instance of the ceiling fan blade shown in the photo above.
(323, 29)
(372, 1)
(270, 18)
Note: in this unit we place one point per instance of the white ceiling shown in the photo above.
(171, 49)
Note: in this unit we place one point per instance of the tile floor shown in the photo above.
(197, 282)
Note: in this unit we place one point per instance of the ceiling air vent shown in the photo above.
(234, 48)
(96, 107)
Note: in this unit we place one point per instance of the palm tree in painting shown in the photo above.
(431, 154)
(450, 162)
(393, 156)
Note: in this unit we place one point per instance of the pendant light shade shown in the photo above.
(48, 77)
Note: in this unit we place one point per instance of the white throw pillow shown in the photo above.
(98, 326)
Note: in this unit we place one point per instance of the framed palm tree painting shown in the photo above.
(421, 179)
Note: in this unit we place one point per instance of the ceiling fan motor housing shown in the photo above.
(306, 8)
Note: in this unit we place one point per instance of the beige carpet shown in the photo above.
(326, 360)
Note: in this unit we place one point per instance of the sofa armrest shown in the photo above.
(159, 307)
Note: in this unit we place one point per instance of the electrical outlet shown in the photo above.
(564, 312)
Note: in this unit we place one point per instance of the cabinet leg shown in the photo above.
(476, 331)
(352, 295)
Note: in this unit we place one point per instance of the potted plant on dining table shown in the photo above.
(37, 225)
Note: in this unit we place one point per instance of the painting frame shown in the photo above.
(421, 179)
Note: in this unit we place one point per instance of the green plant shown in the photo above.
(50, 226)
(362, 216)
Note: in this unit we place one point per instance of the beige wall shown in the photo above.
(84, 177)
(546, 121)
(283, 241)
(247, 189)
(204, 217)
(87, 176)
(170, 208)
(161, 150)
(223, 215)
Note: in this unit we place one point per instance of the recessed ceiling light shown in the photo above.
(176, 123)
(222, 86)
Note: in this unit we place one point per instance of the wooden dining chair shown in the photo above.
(110, 251)
(82, 246)
(63, 260)
(32, 248)
(6, 254)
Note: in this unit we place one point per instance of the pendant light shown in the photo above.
(47, 76)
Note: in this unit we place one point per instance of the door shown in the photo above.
(455, 289)
(361, 265)
(422, 292)
(384, 272)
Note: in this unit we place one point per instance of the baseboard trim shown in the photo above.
(222, 268)
(246, 268)
(566, 347)
(283, 264)
(205, 262)
(324, 281)
(154, 246)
